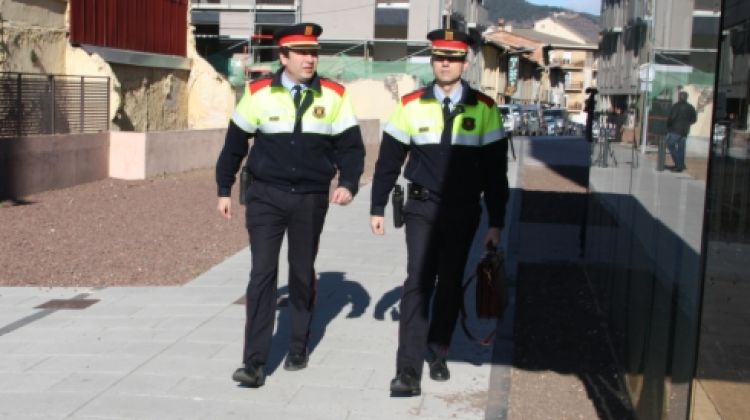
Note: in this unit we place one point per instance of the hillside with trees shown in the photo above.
(521, 13)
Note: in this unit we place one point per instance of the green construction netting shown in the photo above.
(347, 69)
(665, 82)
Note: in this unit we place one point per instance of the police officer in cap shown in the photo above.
(454, 138)
(304, 132)
(589, 109)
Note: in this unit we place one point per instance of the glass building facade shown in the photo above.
(667, 250)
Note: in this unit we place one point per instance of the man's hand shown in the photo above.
(377, 224)
(492, 237)
(225, 207)
(341, 196)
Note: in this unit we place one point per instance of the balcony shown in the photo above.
(574, 86)
(575, 106)
(244, 4)
(568, 64)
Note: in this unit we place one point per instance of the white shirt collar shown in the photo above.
(455, 96)
(289, 84)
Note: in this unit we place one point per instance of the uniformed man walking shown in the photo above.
(457, 149)
(305, 132)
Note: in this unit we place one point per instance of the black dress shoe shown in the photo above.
(439, 369)
(405, 384)
(251, 375)
(295, 361)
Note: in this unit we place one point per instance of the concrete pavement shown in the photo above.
(169, 352)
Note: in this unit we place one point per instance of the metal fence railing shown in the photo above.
(32, 104)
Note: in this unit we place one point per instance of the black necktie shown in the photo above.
(446, 109)
(297, 95)
(445, 137)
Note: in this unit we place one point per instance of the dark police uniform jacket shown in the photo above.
(455, 162)
(298, 152)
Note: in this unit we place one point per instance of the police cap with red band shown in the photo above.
(302, 36)
(449, 43)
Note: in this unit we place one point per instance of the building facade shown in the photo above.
(380, 30)
(572, 43)
(526, 66)
(515, 69)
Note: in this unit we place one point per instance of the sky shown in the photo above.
(589, 6)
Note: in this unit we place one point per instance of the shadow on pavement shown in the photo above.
(389, 303)
(334, 293)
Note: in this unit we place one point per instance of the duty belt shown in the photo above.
(418, 192)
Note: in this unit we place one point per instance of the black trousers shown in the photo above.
(270, 212)
(438, 240)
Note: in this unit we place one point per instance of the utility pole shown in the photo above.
(448, 13)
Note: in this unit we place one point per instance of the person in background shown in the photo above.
(589, 108)
(681, 116)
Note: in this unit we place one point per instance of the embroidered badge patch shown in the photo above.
(424, 129)
(274, 119)
(468, 124)
(319, 112)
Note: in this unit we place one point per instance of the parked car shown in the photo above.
(556, 120)
(531, 124)
(576, 128)
(549, 128)
(510, 120)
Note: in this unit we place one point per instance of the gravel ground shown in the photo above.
(160, 231)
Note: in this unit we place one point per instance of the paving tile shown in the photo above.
(10, 347)
(49, 405)
(222, 334)
(29, 382)
(344, 358)
(85, 382)
(249, 410)
(20, 362)
(190, 349)
(144, 407)
(187, 367)
(74, 346)
(351, 399)
(88, 363)
(274, 394)
(231, 351)
(144, 384)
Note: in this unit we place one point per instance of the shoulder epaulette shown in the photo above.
(259, 84)
(330, 84)
(486, 99)
(412, 96)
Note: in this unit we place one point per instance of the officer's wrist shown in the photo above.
(352, 190)
(377, 211)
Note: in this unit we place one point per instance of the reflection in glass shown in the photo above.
(647, 265)
(722, 381)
